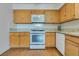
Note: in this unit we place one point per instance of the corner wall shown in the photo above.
(5, 23)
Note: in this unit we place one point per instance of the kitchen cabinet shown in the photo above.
(38, 12)
(14, 39)
(60, 42)
(72, 49)
(22, 16)
(77, 10)
(72, 46)
(52, 16)
(50, 39)
(62, 14)
(24, 39)
(19, 39)
(69, 12)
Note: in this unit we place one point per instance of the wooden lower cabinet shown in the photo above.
(72, 49)
(19, 39)
(24, 39)
(72, 45)
(50, 39)
(14, 41)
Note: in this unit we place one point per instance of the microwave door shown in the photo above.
(38, 18)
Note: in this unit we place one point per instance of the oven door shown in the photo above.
(37, 38)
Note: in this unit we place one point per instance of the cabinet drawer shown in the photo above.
(21, 33)
(50, 33)
(16, 33)
(72, 37)
(12, 33)
(70, 42)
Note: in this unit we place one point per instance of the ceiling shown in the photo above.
(53, 6)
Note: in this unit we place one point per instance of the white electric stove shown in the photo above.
(37, 39)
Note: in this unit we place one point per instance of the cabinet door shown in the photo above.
(14, 40)
(50, 39)
(70, 11)
(22, 16)
(71, 49)
(24, 39)
(62, 14)
(38, 11)
(76, 10)
(51, 16)
(27, 34)
(28, 16)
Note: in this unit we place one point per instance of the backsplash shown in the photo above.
(30, 26)
(72, 26)
(24, 27)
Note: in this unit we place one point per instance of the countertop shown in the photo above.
(73, 33)
(29, 30)
(70, 33)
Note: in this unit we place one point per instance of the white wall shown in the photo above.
(5, 23)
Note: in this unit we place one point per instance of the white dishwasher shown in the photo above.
(60, 42)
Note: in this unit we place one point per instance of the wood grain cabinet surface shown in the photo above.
(51, 16)
(38, 12)
(71, 47)
(62, 14)
(69, 12)
(50, 40)
(19, 39)
(24, 39)
(22, 16)
(14, 39)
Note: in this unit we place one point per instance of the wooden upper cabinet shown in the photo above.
(38, 11)
(22, 16)
(62, 13)
(77, 10)
(51, 16)
(50, 40)
(70, 11)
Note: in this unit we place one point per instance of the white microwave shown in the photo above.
(38, 18)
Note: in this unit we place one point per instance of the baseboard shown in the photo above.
(2, 52)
